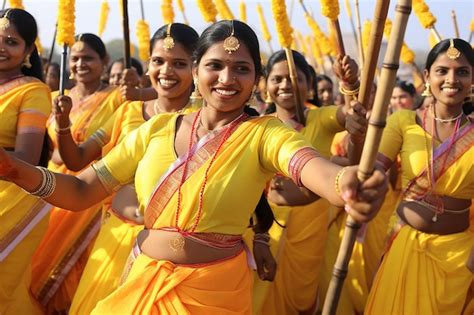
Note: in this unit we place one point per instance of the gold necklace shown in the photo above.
(157, 110)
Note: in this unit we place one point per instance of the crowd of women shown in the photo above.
(196, 189)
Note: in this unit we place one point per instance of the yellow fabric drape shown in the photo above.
(60, 258)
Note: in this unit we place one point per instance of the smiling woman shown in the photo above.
(25, 104)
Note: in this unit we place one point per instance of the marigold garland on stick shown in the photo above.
(167, 11)
(330, 9)
(16, 4)
(243, 11)
(143, 36)
(264, 28)
(208, 10)
(426, 18)
(65, 35)
(223, 10)
(181, 8)
(323, 40)
(104, 13)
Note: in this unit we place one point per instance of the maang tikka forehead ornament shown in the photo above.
(453, 53)
(168, 41)
(231, 43)
(4, 21)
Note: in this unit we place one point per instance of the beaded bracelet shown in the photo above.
(338, 179)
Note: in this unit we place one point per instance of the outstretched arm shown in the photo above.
(74, 193)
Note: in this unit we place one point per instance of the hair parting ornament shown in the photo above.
(231, 43)
(453, 53)
(168, 41)
(4, 21)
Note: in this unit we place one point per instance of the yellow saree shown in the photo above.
(25, 104)
(425, 273)
(257, 147)
(60, 259)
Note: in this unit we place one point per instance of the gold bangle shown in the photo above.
(338, 179)
(347, 92)
(62, 130)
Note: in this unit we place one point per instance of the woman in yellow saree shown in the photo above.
(424, 269)
(170, 73)
(25, 104)
(63, 251)
(299, 237)
(213, 166)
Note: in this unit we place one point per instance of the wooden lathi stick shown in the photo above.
(62, 70)
(455, 23)
(372, 142)
(126, 35)
(294, 85)
(436, 33)
(359, 34)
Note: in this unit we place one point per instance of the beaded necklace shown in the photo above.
(439, 206)
(177, 243)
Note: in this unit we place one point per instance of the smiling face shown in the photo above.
(13, 49)
(226, 80)
(450, 80)
(325, 92)
(401, 99)
(170, 70)
(279, 85)
(85, 63)
(116, 73)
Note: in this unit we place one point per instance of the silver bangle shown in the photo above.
(48, 183)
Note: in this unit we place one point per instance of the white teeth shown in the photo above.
(451, 90)
(226, 92)
(285, 94)
(167, 83)
(3, 58)
(82, 71)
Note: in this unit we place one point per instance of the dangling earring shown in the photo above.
(311, 94)
(427, 91)
(268, 99)
(26, 62)
(196, 95)
(71, 76)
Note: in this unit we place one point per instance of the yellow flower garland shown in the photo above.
(263, 24)
(406, 55)
(323, 41)
(104, 13)
(243, 11)
(208, 10)
(366, 29)
(16, 4)
(330, 9)
(223, 10)
(283, 27)
(422, 11)
(167, 11)
(143, 36)
(66, 19)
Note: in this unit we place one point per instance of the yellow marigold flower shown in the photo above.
(366, 29)
(223, 10)
(243, 11)
(38, 45)
(16, 4)
(104, 13)
(167, 11)
(330, 9)
(283, 27)
(143, 36)
(66, 19)
(180, 5)
(263, 24)
(422, 11)
(323, 41)
(208, 10)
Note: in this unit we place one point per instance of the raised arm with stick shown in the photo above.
(374, 133)
(285, 37)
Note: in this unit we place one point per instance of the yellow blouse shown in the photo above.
(256, 150)
(403, 135)
(25, 103)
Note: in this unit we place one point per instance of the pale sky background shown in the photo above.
(87, 17)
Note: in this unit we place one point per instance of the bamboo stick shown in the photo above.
(368, 72)
(436, 33)
(455, 23)
(359, 34)
(126, 35)
(294, 85)
(4, 4)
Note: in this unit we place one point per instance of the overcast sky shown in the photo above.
(87, 17)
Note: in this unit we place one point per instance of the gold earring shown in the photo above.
(71, 76)
(311, 94)
(26, 62)
(427, 91)
(196, 95)
(268, 99)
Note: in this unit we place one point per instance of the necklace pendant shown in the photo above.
(435, 218)
(177, 243)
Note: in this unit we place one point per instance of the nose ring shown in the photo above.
(221, 80)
